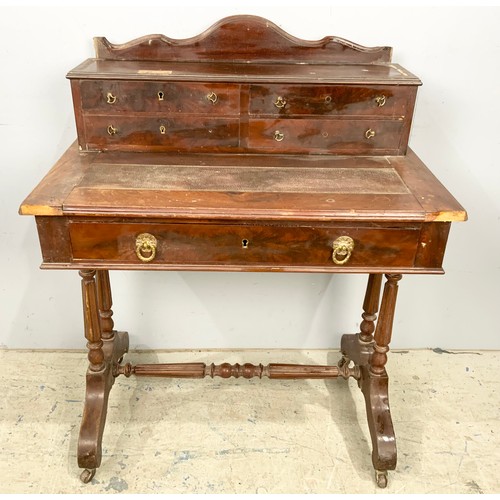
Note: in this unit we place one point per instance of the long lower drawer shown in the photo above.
(205, 244)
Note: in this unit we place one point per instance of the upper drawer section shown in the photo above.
(111, 96)
(324, 100)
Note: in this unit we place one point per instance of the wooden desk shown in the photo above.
(260, 167)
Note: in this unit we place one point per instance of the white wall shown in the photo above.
(456, 131)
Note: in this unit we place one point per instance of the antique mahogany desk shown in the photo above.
(242, 149)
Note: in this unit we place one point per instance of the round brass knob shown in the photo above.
(145, 247)
(342, 249)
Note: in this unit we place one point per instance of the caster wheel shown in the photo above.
(381, 478)
(87, 475)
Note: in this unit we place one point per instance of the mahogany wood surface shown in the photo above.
(242, 149)
(264, 41)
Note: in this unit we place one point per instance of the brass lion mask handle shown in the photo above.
(145, 247)
(342, 249)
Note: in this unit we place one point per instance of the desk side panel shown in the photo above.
(54, 238)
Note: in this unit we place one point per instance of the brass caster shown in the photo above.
(87, 475)
(381, 478)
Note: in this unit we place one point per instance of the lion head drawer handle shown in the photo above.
(145, 247)
(380, 100)
(278, 136)
(112, 130)
(110, 98)
(370, 133)
(212, 97)
(280, 102)
(342, 249)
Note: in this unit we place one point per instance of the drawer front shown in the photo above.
(328, 100)
(110, 96)
(168, 133)
(196, 244)
(326, 136)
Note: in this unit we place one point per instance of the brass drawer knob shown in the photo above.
(278, 136)
(370, 133)
(212, 97)
(112, 130)
(145, 247)
(342, 249)
(280, 102)
(110, 98)
(380, 100)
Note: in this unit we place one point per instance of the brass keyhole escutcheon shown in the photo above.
(280, 102)
(145, 247)
(161, 95)
(342, 249)
(110, 98)
(278, 136)
(112, 130)
(244, 243)
(380, 100)
(212, 97)
(163, 129)
(369, 133)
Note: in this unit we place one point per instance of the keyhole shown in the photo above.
(160, 95)
(244, 243)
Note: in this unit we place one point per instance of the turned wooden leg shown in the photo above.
(106, 347)
(374, 384)
(105, 302)
(359, 347)
(370, 308)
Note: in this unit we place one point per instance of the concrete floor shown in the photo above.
(257, 436)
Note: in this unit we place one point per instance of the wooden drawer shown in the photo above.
(328, 100)
(197, 244)
(111, 96)
(326, 136)
(166, 133)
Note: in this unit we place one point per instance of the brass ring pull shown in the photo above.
(112, 130)
(369, 133)
(280, 102)
(278, 136)
(110, 98)
(145, 247)
(212, 97)
(380, 100)
(342, 249)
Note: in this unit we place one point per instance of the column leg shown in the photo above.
(105, 348)
(374, 384)
(105, 303)
(359, 347)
